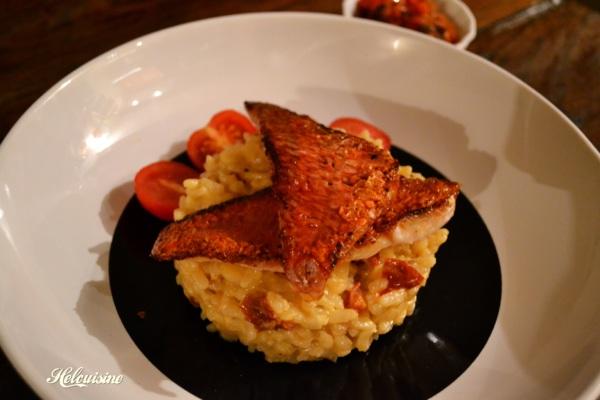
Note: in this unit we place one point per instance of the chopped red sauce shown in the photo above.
(400, 275)
(354, 298)
(420, 15)
(258, 311)
(373, 261)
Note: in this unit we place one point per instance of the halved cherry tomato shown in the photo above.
(232, 125)
(224, 128)
(202, 143)
(158, 187)
(355, 127)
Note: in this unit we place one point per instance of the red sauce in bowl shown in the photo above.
(420, 15)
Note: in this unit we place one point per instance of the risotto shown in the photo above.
(262, 310)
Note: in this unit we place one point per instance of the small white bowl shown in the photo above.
(458, 11)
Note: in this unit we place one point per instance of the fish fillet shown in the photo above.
(332, 186)
(335, 190)
(237, 231)
(245, 230)
(334, 197)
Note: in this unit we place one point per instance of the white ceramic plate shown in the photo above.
(67, 165)
(457, 10)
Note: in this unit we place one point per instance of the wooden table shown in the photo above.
(552, 45)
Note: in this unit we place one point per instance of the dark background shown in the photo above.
(552, 45)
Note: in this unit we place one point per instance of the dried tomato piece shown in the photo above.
(373, 261)
(258, 311)
(354, 298)
(400, 275)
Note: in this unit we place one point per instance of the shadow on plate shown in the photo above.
(473, 168)
(96, 311)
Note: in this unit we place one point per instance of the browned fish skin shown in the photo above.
(332, 193)
(411, 197)
(332, 186)
(239, 231)
(246, 229)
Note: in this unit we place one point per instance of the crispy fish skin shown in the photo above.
(412, 197)
(237, 231)
(333, 187)
(334, 197)
(201, 235)
(245, 230)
